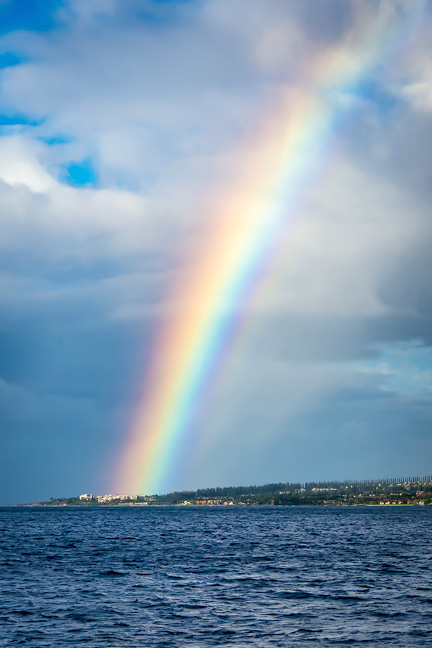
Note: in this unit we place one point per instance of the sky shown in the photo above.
(151, 149)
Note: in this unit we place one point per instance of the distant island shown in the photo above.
(384, 492)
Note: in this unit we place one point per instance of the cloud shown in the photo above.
(54, 222)
(18, 404)
(130, 100)
(19, 165)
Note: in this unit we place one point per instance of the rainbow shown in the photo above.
(209, 298)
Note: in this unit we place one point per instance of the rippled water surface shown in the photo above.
(228, 576)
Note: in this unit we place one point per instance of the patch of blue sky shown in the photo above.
(8, 59)
(173, 2)
(79, 174)
(370, 90)
(162, 11)
(28, 15)
(404, 367)
(17, 120)
(56, 140)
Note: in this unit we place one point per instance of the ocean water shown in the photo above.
(228, 576)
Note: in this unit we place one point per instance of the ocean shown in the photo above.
(223, 576)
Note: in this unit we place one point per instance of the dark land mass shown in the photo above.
(385, 492)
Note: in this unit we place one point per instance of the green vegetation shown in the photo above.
(387, 492)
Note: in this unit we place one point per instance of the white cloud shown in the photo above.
(419, 94)
(19, 164)
(68, 222)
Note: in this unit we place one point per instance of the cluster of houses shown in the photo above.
(207, 502)
(85, 497)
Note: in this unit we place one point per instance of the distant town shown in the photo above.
(385, 492)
